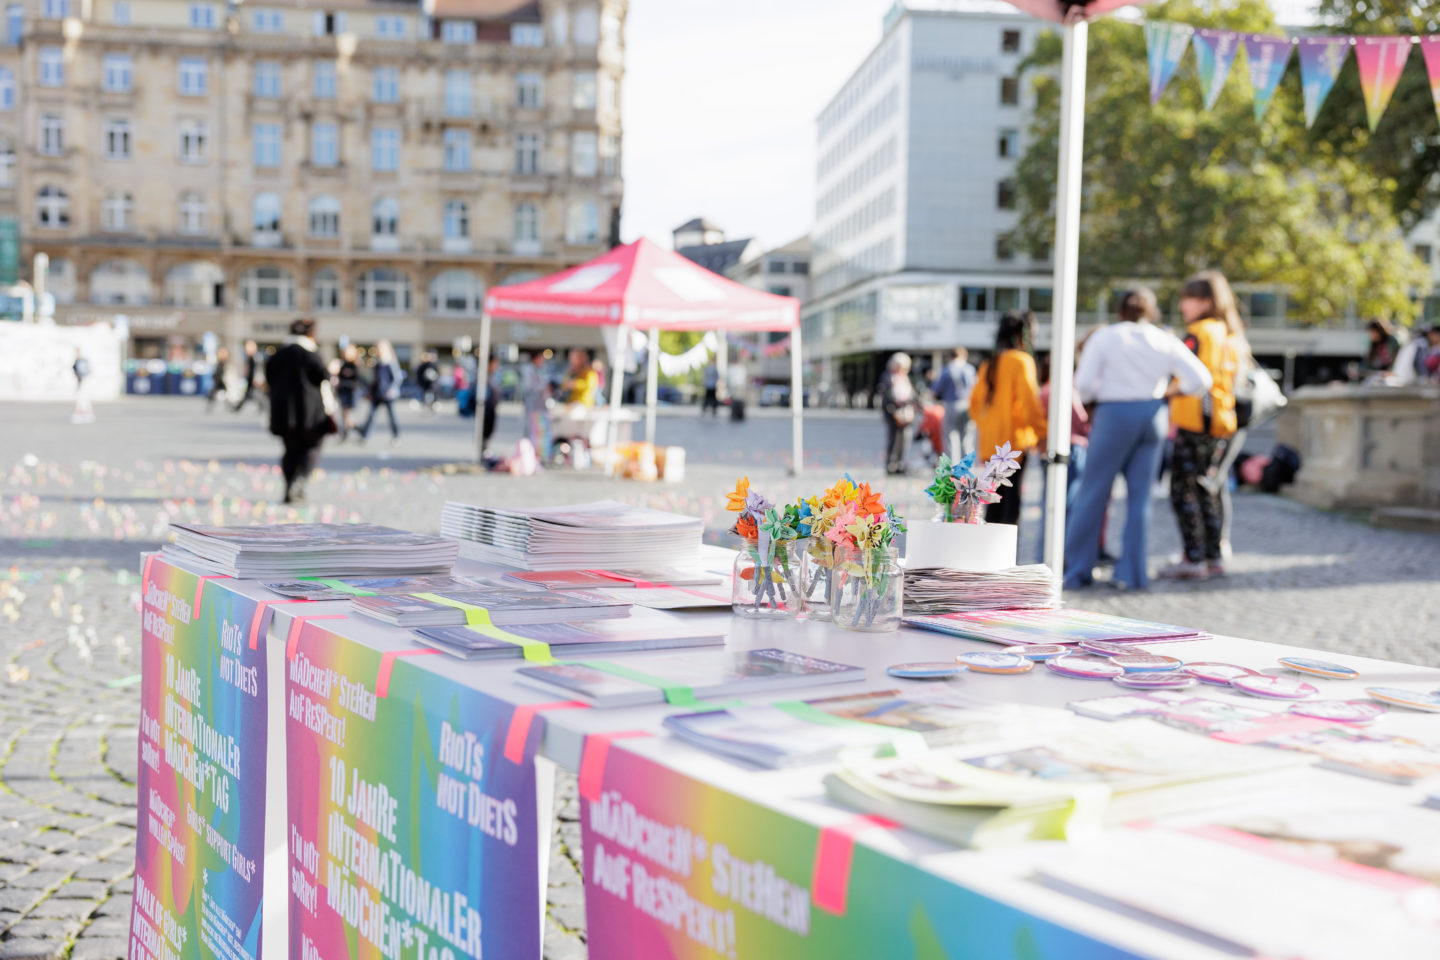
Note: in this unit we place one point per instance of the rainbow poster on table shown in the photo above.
(200, 822)
(411, 835)
(1381, 61)
(676, 869)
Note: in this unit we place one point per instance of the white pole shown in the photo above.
(797, 405)
(617, 387)
(652, 382)
(1067, 255)
(482, 386)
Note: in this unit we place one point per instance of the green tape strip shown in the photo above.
(903, 742)
(340, 586)
(676, 694)
(478, 619)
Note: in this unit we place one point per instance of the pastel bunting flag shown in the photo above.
(1430, 47)
(1267, 57)
(1214, 54)
(1381, 61)
(1165, 46)
(1320, 61)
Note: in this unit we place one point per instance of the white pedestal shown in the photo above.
(973, 547)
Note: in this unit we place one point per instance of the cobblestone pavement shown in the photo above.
(79, 503)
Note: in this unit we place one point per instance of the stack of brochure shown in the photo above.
(707, 674)
(502, 608)
(597, 638)
(601, 535)
(338, 588)
(942, 590)
(312, 550)
(613, 579)
(1051, 626)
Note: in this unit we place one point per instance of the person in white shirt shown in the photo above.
(1127, 370)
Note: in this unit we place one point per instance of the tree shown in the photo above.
(1173, 189)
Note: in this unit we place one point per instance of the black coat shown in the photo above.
(296, 408)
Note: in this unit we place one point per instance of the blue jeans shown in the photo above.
(1125, 438)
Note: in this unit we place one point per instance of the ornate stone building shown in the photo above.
(198, 167)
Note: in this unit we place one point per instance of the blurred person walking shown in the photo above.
(535, 391)
(84, 412)
(217, 378)
(711, 380)
(1205, 424)
(299, 398)
(347, 388)
(492, 405)
(1384, 346)
(427, 375)
(252, 370)
(384, 389)
(952, 388)
(1127, 370)
(898, 405)
(1005, 406)
(582, 382)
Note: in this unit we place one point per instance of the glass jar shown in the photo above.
(817, 559)
(867, 588)
(767, 587)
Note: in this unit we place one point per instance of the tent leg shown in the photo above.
(617, 387)
(797, 405)
(482, 386)
(1067, 254)
(652, 383)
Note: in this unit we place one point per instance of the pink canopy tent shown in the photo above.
(643, 286)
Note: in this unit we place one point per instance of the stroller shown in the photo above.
(930, 428)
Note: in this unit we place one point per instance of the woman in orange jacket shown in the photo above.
(1005, 406)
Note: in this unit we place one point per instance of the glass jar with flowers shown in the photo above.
(766, 575)
(866, 581)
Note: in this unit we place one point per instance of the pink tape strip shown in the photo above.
(387, 664)
(834, 852)
(593, 757)
(519, 730)
(292, 640)
(145, 574)
(257, 622)
(200, 591)
(1357, 872)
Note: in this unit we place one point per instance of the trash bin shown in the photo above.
(737, 409)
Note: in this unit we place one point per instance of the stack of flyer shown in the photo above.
(656, 589)
(930, 590)
(283, 550)
(338, 588)
(1014, 627)
(502, 608)
(601, 535)
(645, 632)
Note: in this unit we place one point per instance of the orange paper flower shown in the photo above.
(745, 527)
(869, 503)
(735, 501)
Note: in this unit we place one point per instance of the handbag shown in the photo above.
(331, 409)
(1257, 398)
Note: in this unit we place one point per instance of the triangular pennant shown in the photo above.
(1320, 61)
(1268, 57)
(1430, 47)
(1381, 61)
(1214, 53)
(1165, 46)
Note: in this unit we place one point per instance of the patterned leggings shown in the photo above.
(1195, 486)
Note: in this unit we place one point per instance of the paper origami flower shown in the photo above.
(735, 500)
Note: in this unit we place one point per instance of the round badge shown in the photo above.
(996, 662)
(1086, 668)
(1169, 680)
(1319, 668)
(1041, 651)
(1146, 662)
(1108, 648)
(925, 671)
(1414, 699)
(1341, 711)
(1277, 688)
(1220, 674)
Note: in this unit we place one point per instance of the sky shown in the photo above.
(719, 104)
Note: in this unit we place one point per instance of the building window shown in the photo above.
(52, 67)
(1004, 247)
(192, 212)
(583, 159)
(325, 289)
(385, 149)
(587, 27)
(583, 89)
(265, 219)
(457, 220)
(52, 208)
(1009, 91)
(120, 282)
(775, 266)
(324, 217)
(195, 284)
(456, 292)
(117, 73)
(582, 223)
(386, 85)
(116, 137)
(202, 16)
(324, 80)
(385, 217)
(193, 77)
(457, 93)
(974, 299)
(193, 136)
(392, 28)
(267, 79)
(527, 153)
(527, 223)
(268, 21)
(55, 9)
(457, 150)
(1423, 252)
(527, 35)
(7, 89)
(1005, 195)
(14, 24)
(1009, 144)
(267, 144)
(457, 31)
(328, 23)
(528, 90)
(268, 288)
(324, 145)
(7, 164)
(610, 155)
(1010, 41)
(383, 290)
(117, 211)
(52, 134)
(120, 13)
